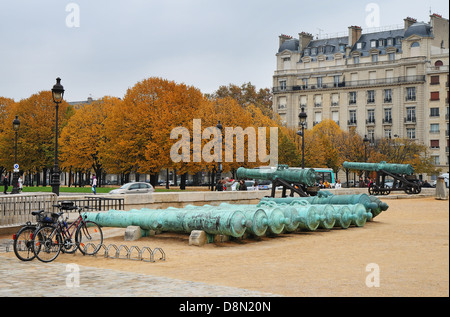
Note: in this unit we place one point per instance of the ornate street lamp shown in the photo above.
(302, 121)
(57, 94)
(16, 126)
(366, 141)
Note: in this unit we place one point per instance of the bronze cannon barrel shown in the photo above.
(406, 169)
(303, 176)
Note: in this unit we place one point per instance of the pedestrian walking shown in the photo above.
(94, 184)
(5, 184)
(20, 183)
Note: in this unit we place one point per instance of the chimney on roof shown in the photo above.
(354, 33)
(408, 22)
(283, 38)
(304, 39)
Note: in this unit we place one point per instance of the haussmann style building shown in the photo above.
(392, 82)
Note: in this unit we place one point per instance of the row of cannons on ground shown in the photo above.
(271, 216)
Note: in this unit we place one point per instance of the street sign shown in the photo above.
(16, 168)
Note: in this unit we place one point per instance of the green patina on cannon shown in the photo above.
(300, 181)
(303, 176)
(405, 169)
(373, 205)
(402, 175)
(272, 216)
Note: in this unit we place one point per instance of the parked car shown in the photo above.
(134, 188)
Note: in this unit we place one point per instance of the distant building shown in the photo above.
(79, 104)
(387, 83)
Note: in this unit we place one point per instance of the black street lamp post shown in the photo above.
(219, 168)
(57, 94)
(15, 180)
(302, 120)
(365, 141)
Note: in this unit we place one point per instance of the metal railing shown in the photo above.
(16, 209)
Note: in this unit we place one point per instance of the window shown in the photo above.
(303, 101)
(317, 100)
(371, 116)
(342, 48)
(335, 116)
(387, 133)
(434, 128)
(352, 116)
(387, 115)
(334, 100)
(388, 95)
(371, 135)
(434, 80)
(317, 117)
(391, 56)
(355, 59)
(411, 114)
(282, 85)
(319, 82)
(336, 80)
(411, 133)
(359, 45)
(352, 97)
(434, 144)
(373, 43)
(435, 159)
(305, 83)
(370, 96)
(374, 58)
(282, 101)
(410, 93)
(390, 42)
(434, 95)
(307, 51)
(438, 64)
(434, 112)
(415, 44)
(381, 42)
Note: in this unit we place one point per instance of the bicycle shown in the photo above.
(49, 241)
(23, 239)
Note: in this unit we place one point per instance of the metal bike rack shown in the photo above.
(133, 253)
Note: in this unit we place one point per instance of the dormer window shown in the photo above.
(307, 51)
(373, 43)
(342, 48)
(389, 42)
(359, 46)
(381, 42)
(314, 51)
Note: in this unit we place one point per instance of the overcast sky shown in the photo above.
(104, 47)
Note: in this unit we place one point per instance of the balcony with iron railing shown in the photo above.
(370, 121)
(351, 122)
(410, 119)
(355, 83)
(387, 121)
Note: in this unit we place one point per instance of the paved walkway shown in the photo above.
(35, 278)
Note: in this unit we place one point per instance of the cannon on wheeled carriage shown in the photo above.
(300, 181)
(402, 175)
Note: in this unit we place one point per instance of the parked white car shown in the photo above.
(134, 188)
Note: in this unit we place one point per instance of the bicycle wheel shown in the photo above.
(89, 237)
(23, 243)
(47, 243)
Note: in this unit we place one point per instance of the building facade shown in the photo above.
(390, 83)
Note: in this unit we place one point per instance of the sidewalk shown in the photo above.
(34, 278)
